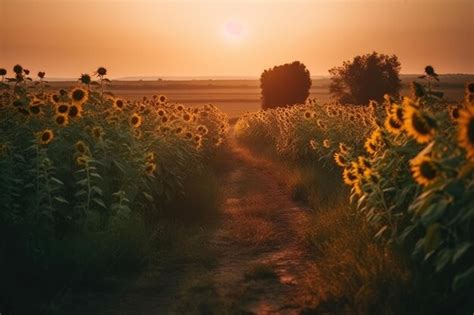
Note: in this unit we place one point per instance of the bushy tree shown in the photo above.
(285, 85)
(366, 78)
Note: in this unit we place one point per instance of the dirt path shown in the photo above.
(262, 260)
(256, 261)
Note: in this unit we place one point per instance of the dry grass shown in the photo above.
(365, 276)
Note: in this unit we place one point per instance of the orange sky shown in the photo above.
(228, 37)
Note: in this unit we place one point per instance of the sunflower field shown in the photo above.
(82, 164)
(410, 166)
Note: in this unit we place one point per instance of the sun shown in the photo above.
(233, 30)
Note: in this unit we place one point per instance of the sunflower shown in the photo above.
(136, 120)
(164, 119)
(348, 176)
(178, 130)
(161, 112)
(74, 111)
(35, 108)
(150, 168)
(186, 117)
(54, 98)
(370, 145)
(419, 125)
(45, 136)
(393, 125)
(308, 115)
(162, 99)
(340, 159)
(343, 148)
(150, 156)
(137, 133)
(188, 135)
(454, 113)
(97, 132)
(79, 95)
(364, 162)
(62, 108)
(466, 130)
(326, 143)
(424, 170)
(118, 104)
(81, 160)
(81, 147)
(61, 120)
(202, 130)
(313, 144)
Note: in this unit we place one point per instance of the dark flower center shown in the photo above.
(428, 170)
(78, 95)
(420, 124)
(45, 136)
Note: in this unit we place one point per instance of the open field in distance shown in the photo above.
(236, 97)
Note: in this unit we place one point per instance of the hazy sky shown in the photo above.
(229, 37)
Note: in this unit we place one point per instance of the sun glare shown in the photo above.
(233, 30)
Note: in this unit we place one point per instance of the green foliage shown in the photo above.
(81, 171)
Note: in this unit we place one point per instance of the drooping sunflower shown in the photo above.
(419, 125)
(79, 95)
(61, 120)
(136, 120)
(424, 170)
(45, 136)
(340, 159)
(466, 130)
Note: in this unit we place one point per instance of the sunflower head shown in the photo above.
(424, 170)
(340, 159)
(45, 136)
(62, 108)
(136, 120)
(54, 98)
(393, 125)
(313, 144)
(419, 125)
(118, 104)
(150, 168)
(81, 160)
(85, 79)
(349, 176)
(326, 143)
(343, 148)
(74, 111)
(61, 120)
(81, 147)
(79, 95)
(97, 132)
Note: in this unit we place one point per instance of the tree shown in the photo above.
(285, 85)
(367, 77)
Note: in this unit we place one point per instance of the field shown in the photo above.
(235, 97)
(138, 197)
